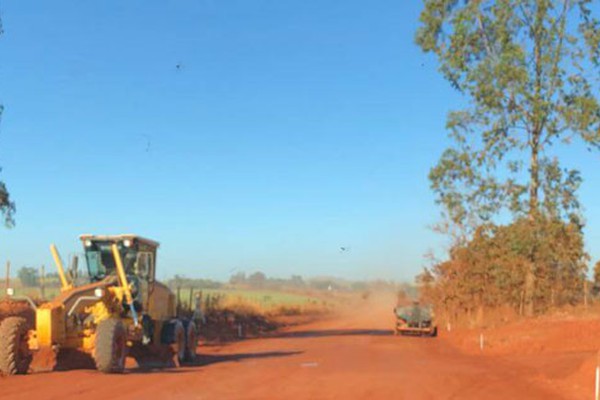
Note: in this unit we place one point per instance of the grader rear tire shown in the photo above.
(173, 335)
(191, 341)
(111, 346)
(178, 345)
(15, 356)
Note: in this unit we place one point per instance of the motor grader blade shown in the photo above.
(43, 360)
(152, 357)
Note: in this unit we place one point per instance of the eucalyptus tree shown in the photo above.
(530, 73)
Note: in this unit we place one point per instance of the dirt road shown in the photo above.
(352, 356)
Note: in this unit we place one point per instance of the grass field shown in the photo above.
(265, 299)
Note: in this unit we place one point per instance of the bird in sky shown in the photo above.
(148, 143)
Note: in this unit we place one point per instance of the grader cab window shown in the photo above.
(101, 262)
(96, 266)
(144, 266)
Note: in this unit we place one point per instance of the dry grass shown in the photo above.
(231, 317)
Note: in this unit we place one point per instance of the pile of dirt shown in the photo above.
(226, 322)
(227, 325)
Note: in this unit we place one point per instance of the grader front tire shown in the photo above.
(15, 356)
(111, 346)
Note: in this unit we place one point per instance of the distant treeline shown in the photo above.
(31, 277)
(260, 281)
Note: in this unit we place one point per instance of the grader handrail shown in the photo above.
(79, 300)
(23, 297)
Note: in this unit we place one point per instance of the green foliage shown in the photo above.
(238, 278)
(265, 298)
(197, 283)
(28, 276)
(257, 280)
(529, 69)
(7, 206)
(296, 283)
(596, 282)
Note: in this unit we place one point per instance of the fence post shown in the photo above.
(43, 282)
(191, 299)
(198, 315)
(74, 268)
(178, 308)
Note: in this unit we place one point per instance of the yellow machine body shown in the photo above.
(69, 320)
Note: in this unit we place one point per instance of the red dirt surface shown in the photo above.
(564, 351)
(351, 356)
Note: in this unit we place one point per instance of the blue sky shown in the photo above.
(242, 135)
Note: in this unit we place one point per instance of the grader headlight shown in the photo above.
(99, 293)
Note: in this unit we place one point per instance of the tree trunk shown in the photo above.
(537, 124)
(521, 303)
(534, 176)
(534, 182)
(529, 291)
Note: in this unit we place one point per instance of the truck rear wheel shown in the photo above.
(15, 356)
(111, 346)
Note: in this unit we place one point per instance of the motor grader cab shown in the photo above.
(137, 257)
(122, 308)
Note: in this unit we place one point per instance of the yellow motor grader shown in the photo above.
(123, 307)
